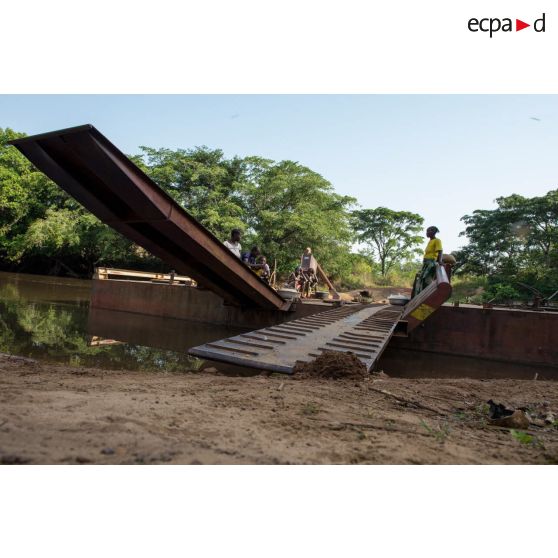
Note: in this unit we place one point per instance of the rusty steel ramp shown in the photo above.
(101, 178)
(360, 329)
(418, 309)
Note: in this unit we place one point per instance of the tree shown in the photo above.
(542, 215)
(43, 229)
(203, 182)
(281, 206)
(496, 238)
(76, 242)
(290, 207)
(516, 242)
(25, 193)
(389, 235)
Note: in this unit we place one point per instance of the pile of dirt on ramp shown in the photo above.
(333, 365)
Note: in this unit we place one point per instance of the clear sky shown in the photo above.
(441, 156)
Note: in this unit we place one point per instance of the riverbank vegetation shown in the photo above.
(283, 207)
(513, 249)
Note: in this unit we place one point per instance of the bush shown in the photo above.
(501, 292)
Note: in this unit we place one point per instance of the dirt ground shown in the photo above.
(56, 414)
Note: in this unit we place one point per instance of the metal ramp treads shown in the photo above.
(361, 329)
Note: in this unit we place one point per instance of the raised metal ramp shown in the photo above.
(427, 301)
(360, 329)
(101, 178)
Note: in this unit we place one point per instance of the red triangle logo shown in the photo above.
(519, 25)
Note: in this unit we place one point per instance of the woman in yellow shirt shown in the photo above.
(432, 255)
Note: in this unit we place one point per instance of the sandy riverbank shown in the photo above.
(59, 414)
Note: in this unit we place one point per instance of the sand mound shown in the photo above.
(331, 364)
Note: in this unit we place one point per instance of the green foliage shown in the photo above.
(282, 207)
(356, 271)
(25, 193)
(440, 432)
(43, 229)
(516, 242)
(390, 236)
(310, 408)
(468, 288)
(401, 274)
(500, 292)
(202, 181)
(292, 207)
(523, 437)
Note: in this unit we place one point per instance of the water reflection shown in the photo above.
(48, 319)
(153, 331)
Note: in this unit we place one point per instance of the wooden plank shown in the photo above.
(110, 272)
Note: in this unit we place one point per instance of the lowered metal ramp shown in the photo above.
(101, 178)
(360, 329)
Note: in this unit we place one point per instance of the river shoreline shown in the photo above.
(57, 414)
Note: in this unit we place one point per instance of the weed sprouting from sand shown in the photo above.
(522, 437)
(440, 432)
(370, 412)
(390, 424)
(310, 408)
(526, 439)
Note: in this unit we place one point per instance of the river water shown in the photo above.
(49, 319)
